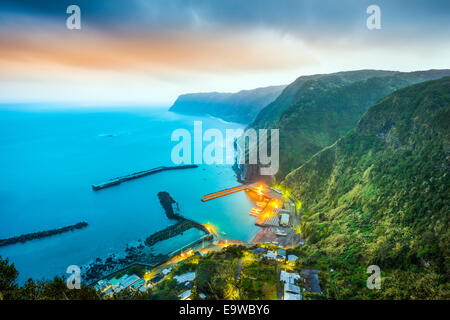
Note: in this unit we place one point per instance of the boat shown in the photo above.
(223, 233)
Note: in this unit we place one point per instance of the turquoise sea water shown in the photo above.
(50, 158)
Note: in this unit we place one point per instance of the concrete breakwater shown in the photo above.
(42, 234)
(172, 211)
(139, 174)
(173, 231)
(170, 206)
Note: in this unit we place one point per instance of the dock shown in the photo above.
(223, 193)
(139, 174)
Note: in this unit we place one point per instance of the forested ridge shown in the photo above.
(315, 111)
(380, 195)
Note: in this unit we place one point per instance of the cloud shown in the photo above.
(166, 47)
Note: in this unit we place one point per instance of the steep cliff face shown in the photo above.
(242, 106)
(379, 195)
(315, 111)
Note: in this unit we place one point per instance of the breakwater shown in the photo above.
(172, 211)
(139, 174)
(174, 230)
(170, 206)
(42, 234)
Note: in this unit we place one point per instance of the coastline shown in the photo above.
(143, 253)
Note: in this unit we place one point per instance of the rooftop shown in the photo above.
(289, 287)
(185, 295)
(292, 258)
(185, 277)
(289, 277)
(259, 250)
(314, 281)
(292, 296)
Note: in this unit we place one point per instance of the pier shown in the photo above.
(139, 174)
(222, 193)
(255, 187)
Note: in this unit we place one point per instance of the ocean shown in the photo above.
(49, 158)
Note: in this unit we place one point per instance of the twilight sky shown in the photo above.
(137, 52)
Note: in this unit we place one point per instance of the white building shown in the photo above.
(284, 221)
(292, 296)
(270, 255)
(185, 277)
(145, 288)
(128, 281)
(289, 287)
(166, 271)
(185, 295)
(289, 277)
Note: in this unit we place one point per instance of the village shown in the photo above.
(270, 252)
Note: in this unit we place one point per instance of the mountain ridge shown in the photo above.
(379, 196)
(314, 111)
(241, 106)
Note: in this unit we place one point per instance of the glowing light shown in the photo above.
(260, 189)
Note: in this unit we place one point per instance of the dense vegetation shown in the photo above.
(380, 195)
(217, 276)
(242, 106)
(314, 111)
(55, 289)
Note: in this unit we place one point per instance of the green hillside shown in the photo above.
(380, 195)
(314, 111)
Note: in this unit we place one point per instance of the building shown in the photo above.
(114, 284)
(166, 271)
(314, 283)
(259, 251)
(109, 292)
(284, 219)
(138, 284)
(289, 287)
(292, 258)
(270, 255)
(156, 279)
(185, 295)
(102, 285)
(289, 277)
(185, 277)
(145, 288)
(128, 281)
(281, 255)
(292, 296)
(292, 292)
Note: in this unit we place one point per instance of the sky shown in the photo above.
(146, 53)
